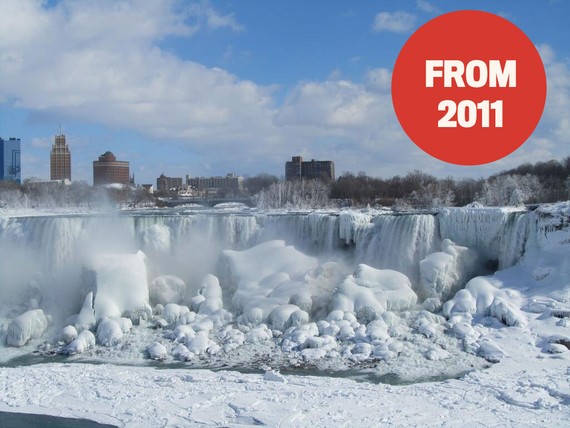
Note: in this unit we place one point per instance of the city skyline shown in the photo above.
(194, 81)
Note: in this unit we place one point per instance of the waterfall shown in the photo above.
(188, 245)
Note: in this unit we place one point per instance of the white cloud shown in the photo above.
(427, 7)
(100, 61)
(395, 22)
(213, 19)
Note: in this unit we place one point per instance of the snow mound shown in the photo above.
(374, 291)
(84, 341)
(69, 334)
(482, 297)
(122, 286)
(173, 313)
(443, 273)
(212, 293)
(156, 351)
(29, 325)
(265, 277)
(109, 332)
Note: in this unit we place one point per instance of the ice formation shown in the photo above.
(482, 296)
(322, 289)
(122, 286)
(443, 273)
(374, 290)
(29, 325)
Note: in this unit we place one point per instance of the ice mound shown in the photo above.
(156, 351)
(109, 332)
(212, 294)
(85, 320)
(84, 341)
(482, 297)
(122, 286)
(173, 313)
(166, 289)
(69, 334)
(29, 325)
(375, 291)
(263, 260)
(264, 278)
(443, 273)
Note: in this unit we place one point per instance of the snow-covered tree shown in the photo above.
(294, 194)
(510, 190)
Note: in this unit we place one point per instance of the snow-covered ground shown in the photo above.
(362, 297)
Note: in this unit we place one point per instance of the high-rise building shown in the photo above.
(60, 159)
(10, 166)
(296, 168)
(108, 170)
(164, 183)
(293, 168)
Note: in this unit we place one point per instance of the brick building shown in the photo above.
(108, 170)
(60, 159)
(296, 168)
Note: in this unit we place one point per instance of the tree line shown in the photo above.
(528, 183)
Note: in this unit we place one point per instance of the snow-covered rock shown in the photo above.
(84, 341)
(29, 325)
(156, 351)
(69, 334)
(173, 312)
(109, 332)
(483, 297)
(375, 291)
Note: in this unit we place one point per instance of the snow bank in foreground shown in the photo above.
(524, 392)
(122, 286)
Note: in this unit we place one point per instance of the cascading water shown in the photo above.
(176, 242)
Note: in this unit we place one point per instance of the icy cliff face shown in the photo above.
(43, 257)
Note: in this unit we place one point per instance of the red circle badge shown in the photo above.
(469, 87)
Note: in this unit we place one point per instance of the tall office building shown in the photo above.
(60, 159)
(297, 168)
(10, 166)
(108, 170)
(164, 183)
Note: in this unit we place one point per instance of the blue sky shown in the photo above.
(211, 87)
